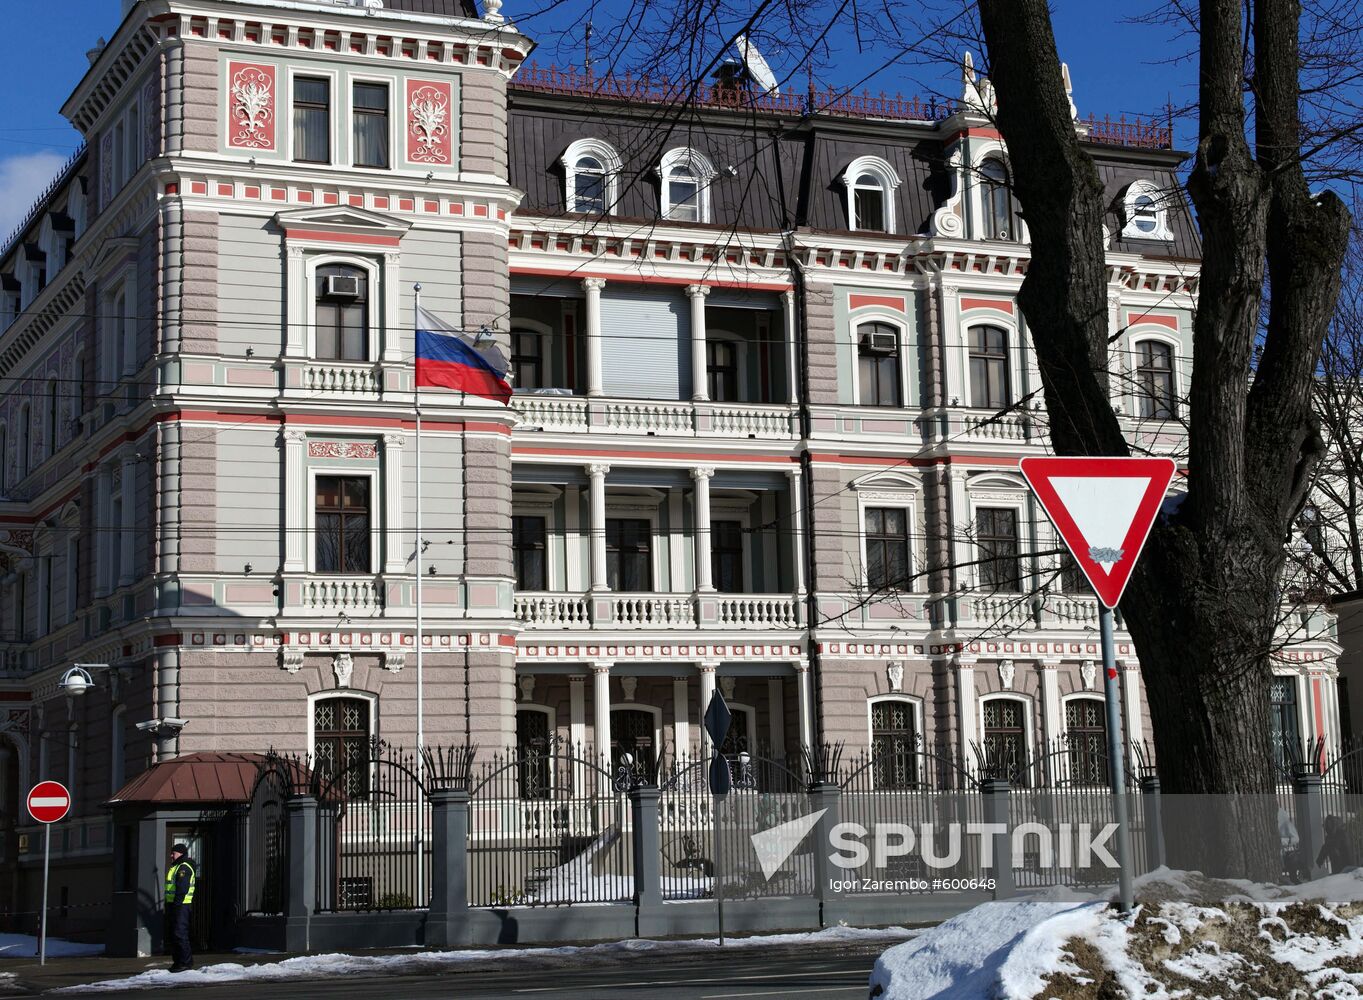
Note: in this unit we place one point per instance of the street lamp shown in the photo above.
(79, 679)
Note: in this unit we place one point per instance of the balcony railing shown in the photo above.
(350, 594)
(549, 610)
(340, 377)
(656, 417)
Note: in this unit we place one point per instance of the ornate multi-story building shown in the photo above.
(772, 389)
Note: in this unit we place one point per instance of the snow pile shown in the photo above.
(421, 962)
(26, 946)
(1190, 938)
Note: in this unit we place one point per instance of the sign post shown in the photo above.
(48, 803)
(718, 718)
(1104, 509)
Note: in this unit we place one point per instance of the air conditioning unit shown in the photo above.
(343, 286)
(880, 342)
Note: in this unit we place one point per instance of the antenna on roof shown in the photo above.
(757, 67)
(587, 47)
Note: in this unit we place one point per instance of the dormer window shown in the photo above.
(1145, 213)
(998, 212)
(870, 183)
(591, 171)
(686, 178)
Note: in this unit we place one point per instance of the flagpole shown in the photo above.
(416, 398)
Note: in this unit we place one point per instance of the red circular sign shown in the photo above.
(49, 801)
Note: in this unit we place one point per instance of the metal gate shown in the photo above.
(374, 834)
(263, 841)
(547, 828)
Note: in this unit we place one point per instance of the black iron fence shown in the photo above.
(263, 840)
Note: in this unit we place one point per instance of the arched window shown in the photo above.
(871, 184)
(894, 743)
(1086, 740)
(342, 313)
(878, 373)
(533, 738)
(1155, 380)
(1005, 738)
(686, 178)
(999, 213)
(989, 382)
(632, 732)
(341, 743)
(591, 171)
(1145, 212)
(50, 422)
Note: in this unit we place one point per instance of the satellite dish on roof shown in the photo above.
(756, 65)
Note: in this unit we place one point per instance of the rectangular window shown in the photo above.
(1005, 734)
(528, 536)
(887, 549)
(726, 556)
(894, 745)
(527, 361)
(311, 120)
(1155, 380)
(878, 374)
(1282, 722)
(343, 524)
(342, 313)
(340, 734)
(629, 557)
(989, 367)
(870, 208)
(371, 124)
(1086, 740)
(996, 531)
(721, 371)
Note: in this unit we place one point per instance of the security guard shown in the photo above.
(180, 878)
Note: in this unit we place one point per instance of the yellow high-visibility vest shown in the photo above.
(170, 883)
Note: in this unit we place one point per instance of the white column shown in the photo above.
(681, 717)
(596, 523)
(577, 723)
(127, 534)
(295, 502)
(1050, 698)
(704, 574)
(395, 560)
(601, 711)
(707, 691)
(965, 705)
(776, 709)
(797, 527)
(700, 386)
(1131, 700)
(298, 297)
(391, 347)
(953, 348)
(792, 356)
(805, 702)
(593, 286)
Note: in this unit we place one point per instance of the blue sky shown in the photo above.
(1117, 68)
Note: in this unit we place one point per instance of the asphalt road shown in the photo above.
(816, 974)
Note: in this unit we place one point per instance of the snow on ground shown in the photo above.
(26, 946)
(418, 962)
(1190, 938)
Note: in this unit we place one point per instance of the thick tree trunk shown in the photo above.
(1203, 605)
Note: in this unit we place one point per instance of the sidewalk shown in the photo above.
(80, 974)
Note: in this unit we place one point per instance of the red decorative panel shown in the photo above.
(429, 105)
(1003, 305)
(857, 301)
(251, 105)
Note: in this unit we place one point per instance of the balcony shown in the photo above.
(339, 377)
(550, 610)
(359, 596)
(656, 418)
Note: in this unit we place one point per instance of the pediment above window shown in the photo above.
(342, 225)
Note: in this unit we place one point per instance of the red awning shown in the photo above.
(194, 779)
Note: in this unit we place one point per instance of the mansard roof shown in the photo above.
(440, 8)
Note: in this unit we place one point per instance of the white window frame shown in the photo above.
(916, 707)
(1146, 188)
(1028, 717)
(1163, 336)
(892, 493)
(888, 181)
(639, 507)
(635, 706)
(374, 275)
(1016, 359)
(874, 314)
(333, 106)
(394, 115)
(313, 699)
(528, 501)
(980, 153)
(611, 166)
(377, 514)
(734, 508)
(998, 491)
(702, 171)
(541, 330)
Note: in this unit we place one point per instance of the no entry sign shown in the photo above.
(49, 802)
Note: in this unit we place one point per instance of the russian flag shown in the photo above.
(450, 359)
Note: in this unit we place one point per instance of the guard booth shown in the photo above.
(203, 800)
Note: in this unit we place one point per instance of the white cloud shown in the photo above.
(22, 179)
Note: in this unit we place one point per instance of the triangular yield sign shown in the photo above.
(1104, 509)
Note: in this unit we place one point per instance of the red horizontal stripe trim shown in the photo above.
(659, 452)
(761, 286)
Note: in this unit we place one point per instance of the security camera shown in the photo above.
(147, 727)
